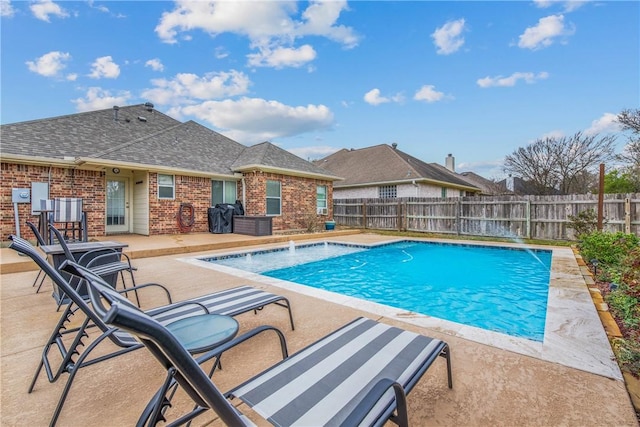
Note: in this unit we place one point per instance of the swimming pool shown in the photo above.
(493, 288)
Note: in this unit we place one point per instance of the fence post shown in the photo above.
(399, 215)
(528, 215)
(627, 215)
(458, 215)
(364, 214)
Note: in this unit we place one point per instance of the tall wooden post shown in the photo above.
(601, 198)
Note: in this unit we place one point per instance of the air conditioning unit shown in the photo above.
(322, 211)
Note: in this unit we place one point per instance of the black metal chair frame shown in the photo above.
(40, 242)
(103, 262)
(72, 354)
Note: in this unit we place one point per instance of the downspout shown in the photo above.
(244, 194)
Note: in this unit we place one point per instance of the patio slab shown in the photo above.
(492, 386)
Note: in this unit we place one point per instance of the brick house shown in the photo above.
(134, 167)
(383, 171)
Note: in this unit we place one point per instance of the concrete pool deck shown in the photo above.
(493, 386)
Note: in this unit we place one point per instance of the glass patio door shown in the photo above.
(117, 215)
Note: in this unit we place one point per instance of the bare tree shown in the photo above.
(561, 165)
(630, 121)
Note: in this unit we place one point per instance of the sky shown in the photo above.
(475, 79)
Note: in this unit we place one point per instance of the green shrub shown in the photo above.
(608, 248)
(624, 306)
(585, 222)
(628, 354)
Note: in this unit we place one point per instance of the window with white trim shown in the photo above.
(166, 186)
(444, 192)
(274, 198)
(321, 200)
(388, 191)
(223, 192)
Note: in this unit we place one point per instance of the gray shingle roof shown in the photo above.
(270, 155)
(144, 136)
(382, 163)
(83, 134)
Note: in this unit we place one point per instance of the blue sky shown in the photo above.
(475, 79)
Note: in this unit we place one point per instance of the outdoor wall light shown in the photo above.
(115, 170)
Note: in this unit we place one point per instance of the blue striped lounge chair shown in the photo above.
(357, 375)
(73, 354)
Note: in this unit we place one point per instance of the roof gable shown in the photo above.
(384, 164)
(273, 157)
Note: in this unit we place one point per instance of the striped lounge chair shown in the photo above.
(358, 375)
(72, 353)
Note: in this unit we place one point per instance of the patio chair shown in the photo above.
(359, 374)
(106, 263)
(73, 354)
(68, 213)
(40, 242)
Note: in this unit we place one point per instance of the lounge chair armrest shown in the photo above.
(239, 339)
(146, 285)
(371, 399)
(164, 309)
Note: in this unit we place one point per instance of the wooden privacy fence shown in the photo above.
(532, 217)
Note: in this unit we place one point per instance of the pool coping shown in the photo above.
(573, 336)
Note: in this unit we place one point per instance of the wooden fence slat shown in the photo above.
(535, 217)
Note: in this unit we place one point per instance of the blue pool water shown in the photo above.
(498, 289)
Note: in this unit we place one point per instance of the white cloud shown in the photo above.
(186, 88)
(448, 38)
(608, 123)
(221, 52)
(543, 34)
(72, 77)
(104, 67)
(373, 97)
(313, 152)
(6, 9)
(569, 6)
(281, 57)
(50, 64)
(252, 120)
(43, 9)
(98, 99)
(428, 93)
(99, 7)
(155, 64)
(269, 26)
(511, 80)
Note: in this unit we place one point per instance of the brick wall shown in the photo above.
(163, 213)
(88, 185)
(298, 200)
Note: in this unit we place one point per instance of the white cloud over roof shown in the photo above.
(104, 67)
(44, 9)
(545, 32)
(448, 38)
(270, 27)
(512, 80)
(50, 64)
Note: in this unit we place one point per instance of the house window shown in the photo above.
(223, 192)
(444, 192)
(321, 199)
(166, 186)
(388, 191)
(273, 197)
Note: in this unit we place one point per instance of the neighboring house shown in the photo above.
(383, 171)
(134, 167)
(488, 187)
